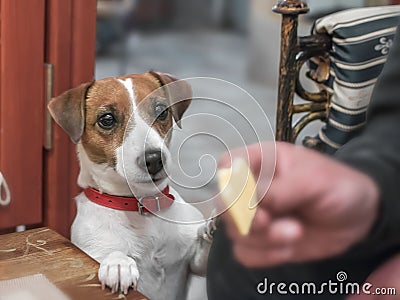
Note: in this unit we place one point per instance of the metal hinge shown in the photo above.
(48, 124)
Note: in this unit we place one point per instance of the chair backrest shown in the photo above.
(361, 39)
(345, 54)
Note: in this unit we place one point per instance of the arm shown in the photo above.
(318, 207)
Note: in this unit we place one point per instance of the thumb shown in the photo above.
(259, 157)
(287, 194)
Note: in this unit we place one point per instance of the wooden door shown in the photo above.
(21, 109)
(32, 33)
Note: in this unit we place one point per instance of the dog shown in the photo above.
(122, 128)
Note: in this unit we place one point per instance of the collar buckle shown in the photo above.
(141, 207)
(157, 199)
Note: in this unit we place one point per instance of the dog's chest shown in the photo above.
(161, 249)
(164, 259)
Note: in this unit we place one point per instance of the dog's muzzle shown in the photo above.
(151, 161)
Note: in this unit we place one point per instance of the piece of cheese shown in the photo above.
(238, 191)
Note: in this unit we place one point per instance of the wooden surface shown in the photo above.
(45, 251)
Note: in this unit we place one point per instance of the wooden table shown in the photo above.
(45, 251)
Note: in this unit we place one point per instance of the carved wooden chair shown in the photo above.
(344, 54)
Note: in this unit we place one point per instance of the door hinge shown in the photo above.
(48, 124)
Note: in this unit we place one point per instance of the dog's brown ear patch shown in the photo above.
(68, 110)
(179, 94)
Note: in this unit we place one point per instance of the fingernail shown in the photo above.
(290, 231)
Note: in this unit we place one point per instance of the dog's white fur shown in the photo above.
(146, 252)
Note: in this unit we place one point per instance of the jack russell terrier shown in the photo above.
(123, 153)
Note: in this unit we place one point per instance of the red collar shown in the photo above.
(142, 205)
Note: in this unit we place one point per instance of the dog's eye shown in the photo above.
(106, 121)
(161, 112)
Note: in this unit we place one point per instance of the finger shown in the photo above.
(294, 184)
(283, 232)
(261, 160)
(286, 195)
(258, 156)
(386, 275)
(256, 258)
(261, 222)
(278, 234)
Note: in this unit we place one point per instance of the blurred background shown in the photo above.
(234, 40)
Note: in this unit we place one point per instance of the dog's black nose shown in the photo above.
(152, 162)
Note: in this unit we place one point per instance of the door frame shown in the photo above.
(70, 48)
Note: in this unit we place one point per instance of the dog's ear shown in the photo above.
(179, 94)
(68, 110)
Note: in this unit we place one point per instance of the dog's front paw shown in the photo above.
(119, 272)
(206, 231)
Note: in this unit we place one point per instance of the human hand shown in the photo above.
(383, 283)
(315, 208)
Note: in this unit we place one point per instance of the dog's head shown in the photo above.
(123, 127)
